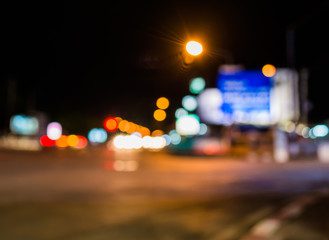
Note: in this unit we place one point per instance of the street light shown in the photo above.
(194, 48)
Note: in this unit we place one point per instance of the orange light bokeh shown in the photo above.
(157, 132)
(82, 142)
(162, 103)
(111, 124)
(159, 115)
(268, 70)
(62, 141)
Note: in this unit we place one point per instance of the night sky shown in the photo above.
(80, 62)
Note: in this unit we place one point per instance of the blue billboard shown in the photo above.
(245, 97)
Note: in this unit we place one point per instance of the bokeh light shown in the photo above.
(269, 70)
(190, 103)
(159, 115)
(188, 125)
(24, 125)
(197, 85)
(45, 141)
(162, 103)
(203, 129)
(320, 130)
(124, 126)
(62, 141)
(194, 48)
(180, 112)
(175, 137)
(72, 140)
(54, 130)
(111, 124)
(157, 132)
(97, 135)
(82, 142)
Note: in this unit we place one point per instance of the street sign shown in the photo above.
(245, 97)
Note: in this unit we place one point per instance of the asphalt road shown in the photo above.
(99, 194)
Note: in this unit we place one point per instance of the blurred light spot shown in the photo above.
(108, 165)
(167, 138)
(323, 152)
(159, 115)
(111, 124)
(269, 70)
(54, 130)
(118, 141)
(197, 85)
(119, 119)
(157, 132)
(127, 166)
(45, 141)
(145, 131)
(180, 112)
(62, 141)
(131, 127)
(97, 135)
(82, 142)
(24, 125)
(131, 165)
(138, 134)
(127, 142)
(154, 143)
(147, 142)
(72, 140)
(188, 125)
(194, 48)
(203, 129)
(320, 130)
(162, 103)
(175, 137)
(299, 129)
(210, 149)
(190, 103)
(305, 132)
(19, 143)
(119, 165)
(289, 126)
(124, 126)
(210, 102)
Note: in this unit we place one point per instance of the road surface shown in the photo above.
(100, 194)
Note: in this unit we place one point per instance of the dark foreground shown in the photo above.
(97, 194)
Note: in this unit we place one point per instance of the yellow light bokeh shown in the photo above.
(194, 48)
(269, 70)
(162, 103)
(72, 140)
(159, 115)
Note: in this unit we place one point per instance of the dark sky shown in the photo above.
(88, 59)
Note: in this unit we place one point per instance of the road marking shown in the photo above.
(267, 227)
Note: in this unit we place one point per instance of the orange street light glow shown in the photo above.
(194, 48)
